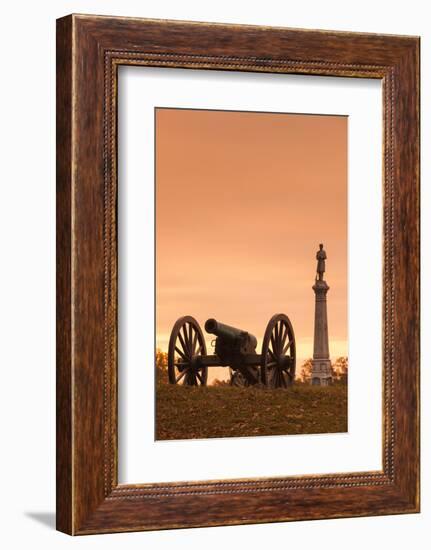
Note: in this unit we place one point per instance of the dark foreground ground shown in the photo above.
(184, 412)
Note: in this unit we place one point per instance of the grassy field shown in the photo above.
(185, 412)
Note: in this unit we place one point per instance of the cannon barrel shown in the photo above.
(227, 332)
(224, 331)
(232, 346)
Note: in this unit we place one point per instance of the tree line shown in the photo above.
(340, 369)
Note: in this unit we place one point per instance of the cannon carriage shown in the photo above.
(274, 367)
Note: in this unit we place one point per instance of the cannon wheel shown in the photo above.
(185, 345)
(278, 353)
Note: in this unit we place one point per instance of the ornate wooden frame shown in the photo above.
(89, 50)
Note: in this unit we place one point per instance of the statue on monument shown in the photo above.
(321, 373)
(320, 257)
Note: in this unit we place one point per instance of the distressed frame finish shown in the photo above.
(89, 51)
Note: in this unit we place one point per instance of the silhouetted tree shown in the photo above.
(306, 370)
(161, 367)
(340, 370)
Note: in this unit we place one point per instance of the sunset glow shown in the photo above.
(242, 202)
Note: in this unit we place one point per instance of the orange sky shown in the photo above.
(242, 202)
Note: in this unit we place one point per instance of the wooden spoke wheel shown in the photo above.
(278, 353)
(186, 346)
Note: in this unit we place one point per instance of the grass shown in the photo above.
(185, 412)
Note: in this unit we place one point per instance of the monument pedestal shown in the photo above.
(321, 372)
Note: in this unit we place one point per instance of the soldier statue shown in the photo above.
(320, 257)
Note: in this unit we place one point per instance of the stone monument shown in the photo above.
(321, 372)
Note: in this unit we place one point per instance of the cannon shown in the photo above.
(274, 367)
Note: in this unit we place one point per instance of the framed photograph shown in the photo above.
(237, 274)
